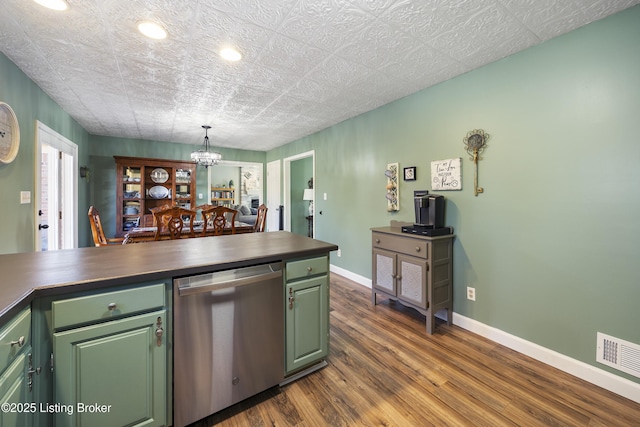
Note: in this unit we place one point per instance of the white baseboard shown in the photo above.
(351, 276)
(596, 376)
(589, 373)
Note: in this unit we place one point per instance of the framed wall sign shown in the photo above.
(410, 173)
(446, 174)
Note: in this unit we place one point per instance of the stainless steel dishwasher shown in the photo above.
(228, 338)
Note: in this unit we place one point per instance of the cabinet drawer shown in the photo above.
(306, 268)
(107, 305)
(406, 245)
(13, 337)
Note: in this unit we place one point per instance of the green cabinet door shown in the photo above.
(307, 322)
(112, 373)
(15, 396)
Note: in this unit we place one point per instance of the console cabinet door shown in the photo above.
(15, 392)
(120, 366)
(412, 281)
(384, 271)
(307, 322)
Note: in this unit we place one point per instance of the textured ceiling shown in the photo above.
(308, 64)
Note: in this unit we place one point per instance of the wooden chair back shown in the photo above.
(99, 238)
(216, 220)
(173, 220)
(158, 209)
(261, 219)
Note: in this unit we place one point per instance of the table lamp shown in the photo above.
(308, 195)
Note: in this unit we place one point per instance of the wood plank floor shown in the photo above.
(384, 370)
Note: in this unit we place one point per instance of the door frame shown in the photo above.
(274, 195)
(287, 186)
(45, 135)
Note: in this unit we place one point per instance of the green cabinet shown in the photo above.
(113, 373)
(306, 313)
(104, 357)
(16, 376)
(18, 409)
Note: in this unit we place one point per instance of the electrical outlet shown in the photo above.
(339, 253)
(471, 293)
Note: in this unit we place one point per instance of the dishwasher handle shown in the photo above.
(234, 283)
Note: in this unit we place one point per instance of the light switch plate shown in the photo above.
(25, 197)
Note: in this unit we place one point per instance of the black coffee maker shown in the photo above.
(429, 209)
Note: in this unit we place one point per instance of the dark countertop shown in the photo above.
(25, 276)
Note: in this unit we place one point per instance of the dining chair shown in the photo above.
(261, 219)
(173, 220)
(158, 209)
(216, 219)
(99, 239)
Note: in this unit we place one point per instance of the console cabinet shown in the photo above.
(413, 270)
(306, 313)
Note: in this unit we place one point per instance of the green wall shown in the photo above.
(552, 245)
(30, 103)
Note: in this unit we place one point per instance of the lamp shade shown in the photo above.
(308, 194)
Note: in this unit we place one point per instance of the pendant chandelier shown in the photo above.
(204, 157)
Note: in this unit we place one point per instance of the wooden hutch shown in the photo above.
(143, 184)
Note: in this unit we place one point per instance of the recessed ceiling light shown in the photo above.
(152, 30)
(54, 4)
(230, 54)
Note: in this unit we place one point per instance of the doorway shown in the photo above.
(304, 222)
(56, 195)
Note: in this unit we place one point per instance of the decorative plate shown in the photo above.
(159, 192)
(159, 176)
(9, 134)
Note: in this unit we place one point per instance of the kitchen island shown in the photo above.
(53, 290)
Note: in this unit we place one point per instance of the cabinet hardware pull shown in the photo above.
(159, 331)
(30, 372)
(19, 343)
(291, 298)
(377, 240)
(112, 306)
(399, 277)
(309, 269)
(417, 248)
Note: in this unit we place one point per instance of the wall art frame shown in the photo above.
(446, 174)
(410, 173)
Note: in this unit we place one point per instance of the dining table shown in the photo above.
(148, 234)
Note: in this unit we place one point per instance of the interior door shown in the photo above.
(56, 192)
(273, 196)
